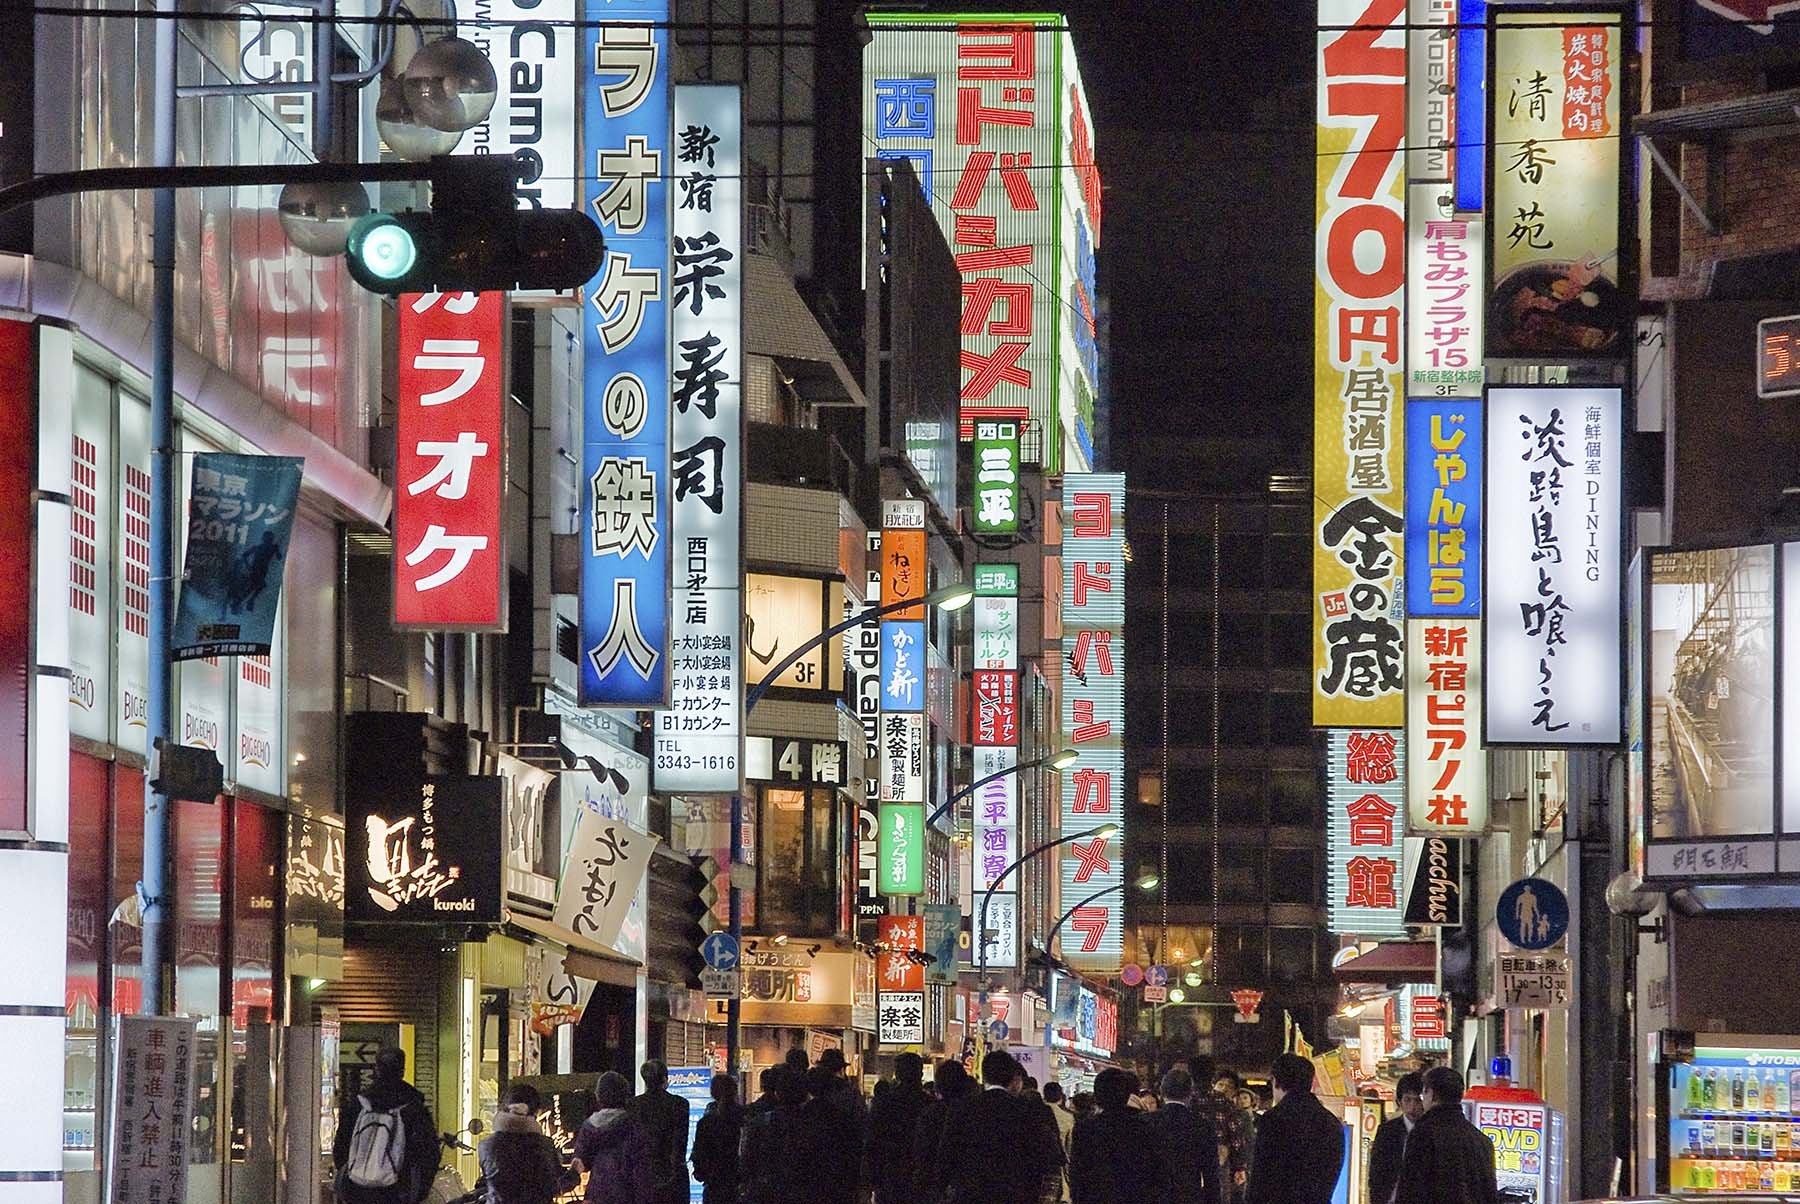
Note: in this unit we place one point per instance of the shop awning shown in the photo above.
(584, 958)
(1392, 962)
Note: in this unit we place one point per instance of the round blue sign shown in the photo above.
(1157, 976)
(720, 951)
(1532, 914)
(998, 1031)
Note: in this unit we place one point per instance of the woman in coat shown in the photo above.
(519, 1163)
(612, 1147)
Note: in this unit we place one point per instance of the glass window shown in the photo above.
(1293, 876)
(1241, 797)
(1293, 797)
(1242, 954)
(1242, 718)
(1291, 952)
(1242, 642)
(1241, 874)
(1290, 641)
(1241, 562)
(1290, 719)
(797, 861)
(1190, 873)
(255, 853)
(89, 905)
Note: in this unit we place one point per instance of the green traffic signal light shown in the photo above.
(381, 248)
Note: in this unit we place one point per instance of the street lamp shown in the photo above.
(1057, 760)
(1105, 831)
(949, 598)
(1147, 882)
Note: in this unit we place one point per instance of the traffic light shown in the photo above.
(474, 238)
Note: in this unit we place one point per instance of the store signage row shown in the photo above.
(900, 981)
(699, 737)
(1093, 714)
(625, 465)
(1445, 282)
(1365, 827)
(1446, 768)
(996, 457)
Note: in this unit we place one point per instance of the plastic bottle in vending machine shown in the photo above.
(1753, 1093)
(1737, 1091)
(1736, 1140)
(1696, 1090)
(1710, 1091)
(1783, 1093)
(1709, 1137)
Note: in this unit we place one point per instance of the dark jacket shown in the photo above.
(614, 1148)
(829, 1148)
(519, 1164)
(1116, 1158)
(665, 1115)
(716, 1141)
(890, 1157)
(422, 1149)
(1448, 1161)
(770, 1165)
(1384, 1159)
(1190, 1152)
(998, 1148)
(1298, 1154)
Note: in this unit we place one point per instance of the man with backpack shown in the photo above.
(386, 1149)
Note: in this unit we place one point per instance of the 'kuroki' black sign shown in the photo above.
(426, 853)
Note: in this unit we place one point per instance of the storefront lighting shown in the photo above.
(780, 939)
(1064, 759)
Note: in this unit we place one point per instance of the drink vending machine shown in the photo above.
(1733, 1109)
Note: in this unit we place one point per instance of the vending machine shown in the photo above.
(1732, 1105)
(1528, 1142)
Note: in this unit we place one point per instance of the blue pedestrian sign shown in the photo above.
(1533, 914)
(720, 951)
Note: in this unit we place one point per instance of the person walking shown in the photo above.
(997, 1147)
(770, 1166)
(1115, 1157)
(1299, 1144)
(891, 1158)
(1390, 1138)
(1448, 1160)
(716, 1142)
(1189, 1143)
(665, 1117)
(829, 1145)
(1233, 1126)
(612, 1148)
(950, 1086)
(1065, 1124)
(386, 1147)
(520, 1164)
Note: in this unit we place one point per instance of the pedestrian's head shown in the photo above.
(909, 1069)
(724, 1088)
(767, 1079)
(1001, 1069)
(522, 1098)
(821, 1081)
(1409, 1093)
(1082, 1104)
(1202, 1070)
(1226, 1083)
(833, 1061)
(1177, 1086)
(1053, 1092)
(612, 1090)
(1031, 1087)
(1112, 1089)
(656, 1075)
(951, 1078)
(1249, 1100)
(1291, 1073)
(795, 1059)
(390, 1064)
(790, 1087)
(1442, 1086)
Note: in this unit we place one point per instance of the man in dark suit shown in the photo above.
(1299, 1143)
(1448, 1160)
(999, 1147)
(1390, 1139)
(1190, 1144)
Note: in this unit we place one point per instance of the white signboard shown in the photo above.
(607, 861)
(1002, 930)
(900, 1018)
(1444, 281)
(153, 1109)
(903, 758)
(1554, 651)
(1430, 95)
(92, 546)
(996, 633)
(1446, 767)
(1532, 980)
(699, 736)
(532, 44)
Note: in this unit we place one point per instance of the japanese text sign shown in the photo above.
(1093, 713)
(900, 980)
(627, 163)
(900, 849)
(1554, 92)
(607, 861)
(903, 567)
(428, 854)
(996, 633)
(902, 666)
(1000, 949)
(1553, 532)
(996, 580)
(1443, 507)
(449, 479)
(903, 757)
(1446, 769)
(1532, 980)
(1083, 206)
(1431, 110)
(699, 736)
(1778, 356)
(240, 512)
(1446, 292)
(152, 1109)
(996, 454)
(996, 706)
(1359, 331)
(974, 110)
(1365, 825)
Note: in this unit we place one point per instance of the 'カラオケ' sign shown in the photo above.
(449, 571)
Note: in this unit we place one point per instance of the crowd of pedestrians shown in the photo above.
(811, 1138)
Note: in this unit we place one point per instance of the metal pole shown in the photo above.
(734, 1004)
(159, 827)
